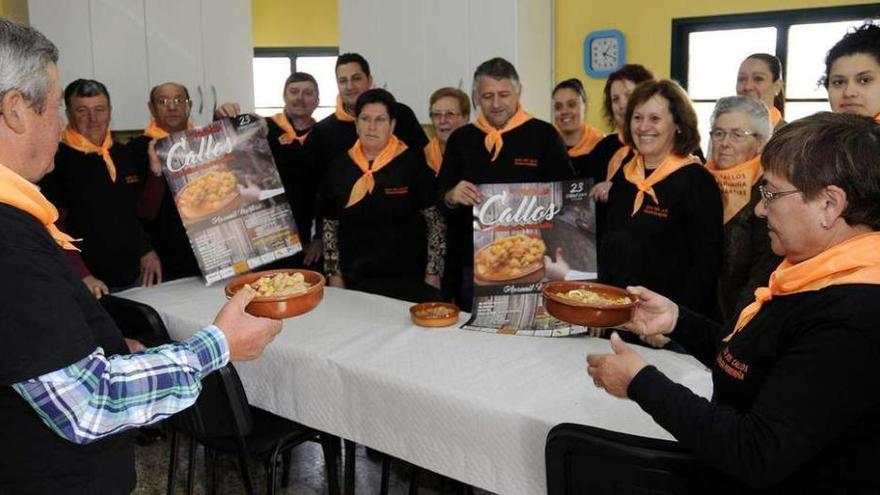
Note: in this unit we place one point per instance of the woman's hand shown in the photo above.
(600, 191)
(653, 314)
(313, 252)
(614, 372)
(336, 281)
(464, 193)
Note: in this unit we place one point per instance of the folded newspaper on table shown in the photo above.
(229, 196)
(524, 235)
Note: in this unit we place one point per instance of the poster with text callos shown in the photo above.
(229, 196)
(524, 235)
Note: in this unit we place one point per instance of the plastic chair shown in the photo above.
(136, 320)
(222, 421)
(583, 459)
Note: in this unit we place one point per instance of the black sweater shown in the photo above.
(100, 211)
(297, 166)
(796, 403)
(674, 248)
(532, 152)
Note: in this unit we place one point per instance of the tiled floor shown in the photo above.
(307, 475)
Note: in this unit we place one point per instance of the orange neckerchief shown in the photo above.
(853, 261)
(634, 171)
(617, 158)
(340, 111)
(736, 184)
(433, 155)
(154, 131)
(590, 137)
(877, 118)
(365, 184)
(19, 193)
(79, 142)
(775, 116)
(289, 135)
(493, 136)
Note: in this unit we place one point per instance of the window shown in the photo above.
(707, 51)
(272, 66)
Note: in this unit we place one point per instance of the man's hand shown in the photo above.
(433, 280)
(313, 252)
(613, 372)
(600, 191)
(155, 164)
(134, 345)
(151, 269)
(246, 335)
(336, 281)
(464, 193)
(556, 270)
(97, 287)
(227, 110)
(653, 314)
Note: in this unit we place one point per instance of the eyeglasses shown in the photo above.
(769, 196)
(444, 115)
(171, 102)
(736, 135)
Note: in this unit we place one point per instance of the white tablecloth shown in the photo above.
(473, 406)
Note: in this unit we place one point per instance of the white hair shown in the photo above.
(24, 55)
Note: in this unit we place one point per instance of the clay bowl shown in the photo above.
(589, 315)
(280, 307)
(434, 321)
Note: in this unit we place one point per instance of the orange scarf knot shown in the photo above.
(736, 184)
(19, 193)
(590, 137)
(434, 156)
(853, 261)
(493, 140)
(634, 171)
(775, 116)
(154, 131)
(80, 143)
(290, 134)
(365, 184)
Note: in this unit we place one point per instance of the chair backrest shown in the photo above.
(587, 460)
(221, 410)
(136, 320)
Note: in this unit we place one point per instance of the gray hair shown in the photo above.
(24, 55)
(496, 68)
(755, 109)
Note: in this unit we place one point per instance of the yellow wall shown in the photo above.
(295, 23)
(14, 9)
(647, 26)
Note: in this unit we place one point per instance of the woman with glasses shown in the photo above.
(796, 403)
(852, 73)
(663, 227)
(450, 108)
(382, 231)
(760, 76)
(740, 128)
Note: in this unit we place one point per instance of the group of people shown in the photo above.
(774, 234)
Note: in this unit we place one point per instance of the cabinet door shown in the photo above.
(67, 25)
(174, 49)
(359, 31)
(120, 53)
(492, 30)
(228, 53)
(403, 54)
(446, 50)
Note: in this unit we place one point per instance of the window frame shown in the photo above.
(782, 20)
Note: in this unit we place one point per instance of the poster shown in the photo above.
(524, 235)
(229, 196)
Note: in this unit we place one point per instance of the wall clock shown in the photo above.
(604, 52)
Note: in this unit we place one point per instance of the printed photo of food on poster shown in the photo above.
(524, 235)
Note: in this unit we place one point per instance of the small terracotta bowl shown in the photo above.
(589, 315)
(434, 321)
(280, 307)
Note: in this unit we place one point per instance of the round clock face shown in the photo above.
(604, 54)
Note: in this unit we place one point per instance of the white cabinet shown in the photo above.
(133, 45)
(417, 46)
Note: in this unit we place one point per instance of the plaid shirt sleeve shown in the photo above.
(99, 395)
